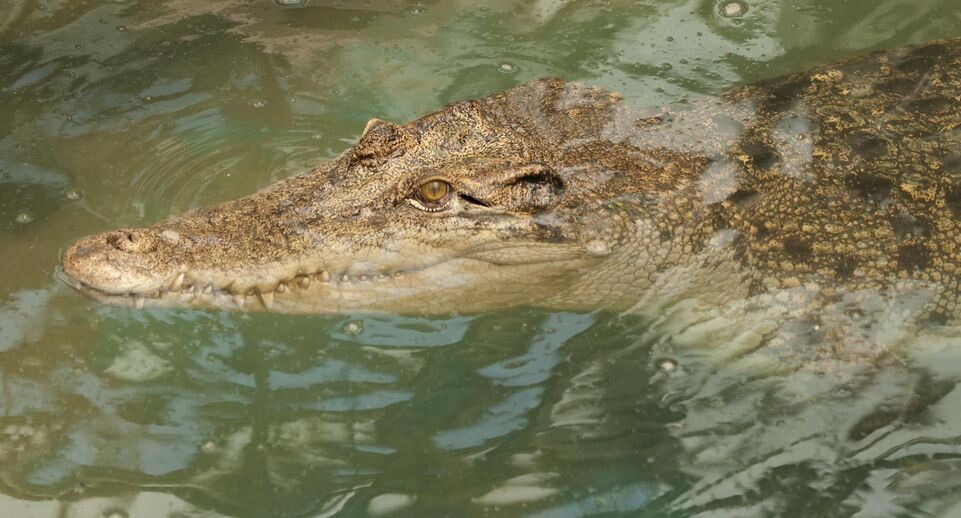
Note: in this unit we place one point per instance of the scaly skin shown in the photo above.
(843, 178)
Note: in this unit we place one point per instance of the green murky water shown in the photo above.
(122, 113)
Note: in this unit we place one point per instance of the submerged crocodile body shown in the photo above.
(840, 179)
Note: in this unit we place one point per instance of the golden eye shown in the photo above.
(434, 193)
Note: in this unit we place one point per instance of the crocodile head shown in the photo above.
(483, 204)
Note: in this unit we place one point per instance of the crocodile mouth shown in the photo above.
(308, 291)
(185, 290)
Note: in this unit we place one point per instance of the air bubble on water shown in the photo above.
(24, 217)
(121, 28)
(354, 328)
(258, 103)
(208, 446)
(733, 9)
(417, 11)
(72, 195)
(507, 68)
(667, 365)
(316, 136)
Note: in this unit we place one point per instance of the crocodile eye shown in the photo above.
(434, 194)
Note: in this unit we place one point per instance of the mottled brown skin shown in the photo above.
(843, 178)
(876, 201)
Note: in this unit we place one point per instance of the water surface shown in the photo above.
(121, 113)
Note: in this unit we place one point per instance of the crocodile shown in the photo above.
(839, 179)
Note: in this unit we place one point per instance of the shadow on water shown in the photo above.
(122, 113)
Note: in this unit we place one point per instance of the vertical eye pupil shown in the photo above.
(434, 191)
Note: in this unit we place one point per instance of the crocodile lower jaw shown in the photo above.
(181, 290)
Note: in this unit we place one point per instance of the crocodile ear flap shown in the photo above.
(380, 141)
(531, 187)
(377, 125)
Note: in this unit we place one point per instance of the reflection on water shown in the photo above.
(124, 112)
(278, 415)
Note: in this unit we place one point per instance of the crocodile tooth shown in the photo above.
(138, 301)
(178, 282)
(281, 288)
(324, 276)
(239, 300)
(303, 281)
(266, 298)
(344, 278)
(208, 289)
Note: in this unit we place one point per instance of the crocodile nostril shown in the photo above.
(130, 241)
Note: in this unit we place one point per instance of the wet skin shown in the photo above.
(837, 180)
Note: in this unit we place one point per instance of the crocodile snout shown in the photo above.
(119, 261)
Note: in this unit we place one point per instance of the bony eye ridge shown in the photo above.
(434, 194)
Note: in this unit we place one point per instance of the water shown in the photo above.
(124, 112)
